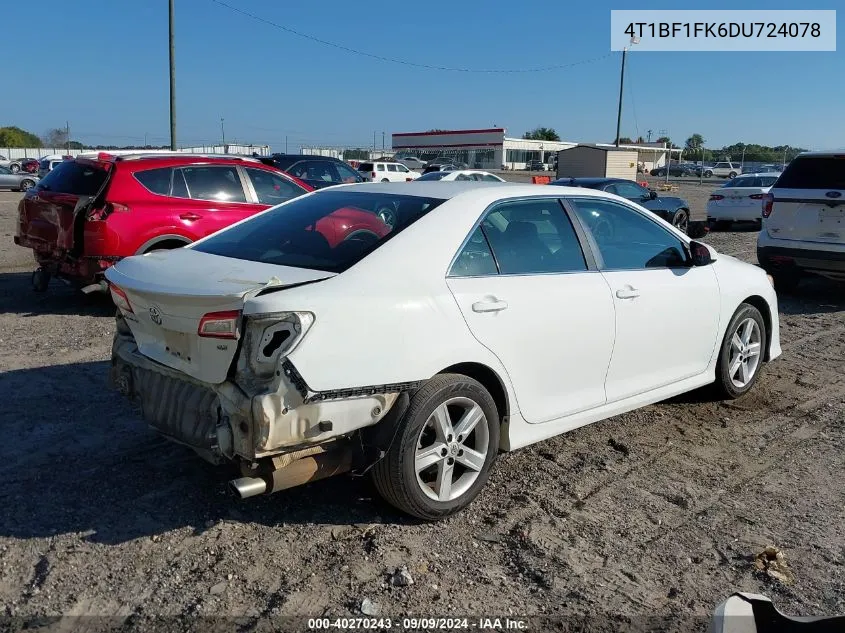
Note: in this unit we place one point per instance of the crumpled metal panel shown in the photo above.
(183, 411)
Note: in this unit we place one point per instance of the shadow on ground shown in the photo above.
(18, 297)
(77, 458)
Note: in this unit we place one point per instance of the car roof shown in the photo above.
(758, 173)
(453, 188)
(822, 153)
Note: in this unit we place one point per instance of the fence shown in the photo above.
(14, 153)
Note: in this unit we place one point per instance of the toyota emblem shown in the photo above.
(155, 315)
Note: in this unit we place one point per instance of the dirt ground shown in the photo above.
(657, 513)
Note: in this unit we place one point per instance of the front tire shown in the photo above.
(732, 175)
(14, 168)
(741, 354)
(681, 221)
(443, 449)
(26, 184)
(708, 174)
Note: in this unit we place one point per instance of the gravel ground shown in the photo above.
(658, 512)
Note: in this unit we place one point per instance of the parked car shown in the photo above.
(88, 213)
(723, 170)
(411, 162)
(675, 169)
(543, 287)
(435, 167)
(49, 163)
(386, 171)
(535, 165)
(29, 165)
(739, 200)
(461, 174)
(769, 168)
(12, 165)
(804, 220)
(16, 181)
(446, 160)
(674, 210)
(316, 171)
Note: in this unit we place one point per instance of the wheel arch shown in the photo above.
(490, 380)
(763, 306)
(168, 241)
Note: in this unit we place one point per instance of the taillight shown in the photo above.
(716, 196)
(120, 299)
(373, 175)
(768, 203)
(756, 196)
(219, 324)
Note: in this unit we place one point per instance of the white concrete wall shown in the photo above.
(13, 153)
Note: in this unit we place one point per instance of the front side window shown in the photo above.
(626, 239)
(331, 231)
(490, 178)
(271, 188)
(214, 182)
(391, 167)
(533, 236)
(5, 172)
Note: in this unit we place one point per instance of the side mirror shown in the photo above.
(652, 194)
(700, 254)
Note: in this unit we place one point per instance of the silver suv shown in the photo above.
(804, 221)
(723, 170)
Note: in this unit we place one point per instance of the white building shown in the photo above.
(491, 149)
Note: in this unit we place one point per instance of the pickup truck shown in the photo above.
(723, 170)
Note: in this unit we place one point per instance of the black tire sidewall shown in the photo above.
(423, 403)
(723, 378)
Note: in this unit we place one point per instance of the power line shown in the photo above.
(405, 62)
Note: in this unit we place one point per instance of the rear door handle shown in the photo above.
(628, 292)
(489, 305)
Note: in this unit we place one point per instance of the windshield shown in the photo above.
(330, 230)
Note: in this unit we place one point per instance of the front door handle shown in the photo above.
(628, 292)
(190, 217)
(489, 305)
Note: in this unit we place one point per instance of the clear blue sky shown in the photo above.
(102, 65)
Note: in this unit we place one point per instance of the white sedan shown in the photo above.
(740, 199)
(482, 318)
(461, 175)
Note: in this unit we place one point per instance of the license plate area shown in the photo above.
(177, 344)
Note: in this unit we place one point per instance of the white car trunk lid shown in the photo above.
(171, 291)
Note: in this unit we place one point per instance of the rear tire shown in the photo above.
(708, 174)
(14, 168)
(435, 418)
(732, 175)
(741, 354)
(27, 184)
(681, 221)
(385, 180)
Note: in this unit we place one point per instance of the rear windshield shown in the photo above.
(814, 172)
(434, 175)
(329, 230)
(74, 177)
(365, 167)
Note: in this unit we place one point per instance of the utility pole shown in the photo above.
(67, 137)
(172, 82)
(286, 143)
(742, 162)
(223, 134)
(145, 140)
(783, 165)
(382, 142)
(634, 40)
(648, 133)
(374, 140)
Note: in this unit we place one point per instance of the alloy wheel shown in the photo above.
(451, 449)
(744, 360)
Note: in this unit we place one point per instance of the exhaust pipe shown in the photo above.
(248, 486)
(296, 473)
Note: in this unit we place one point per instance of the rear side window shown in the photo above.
(156, 180)
(533, 236)
(214, 182)
(330, 231)
(76, 178)
(814, 172)
(391, 167)
(475, 258)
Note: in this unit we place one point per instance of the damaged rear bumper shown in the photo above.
(227, 422)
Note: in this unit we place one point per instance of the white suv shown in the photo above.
(804, 220)
(386, 171)
(723, 170)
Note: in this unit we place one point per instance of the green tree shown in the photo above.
(55, 137)
(625, 140)
(694, 147)
(542, 134)
(16, 137)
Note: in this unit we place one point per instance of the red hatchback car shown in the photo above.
(88, 213)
